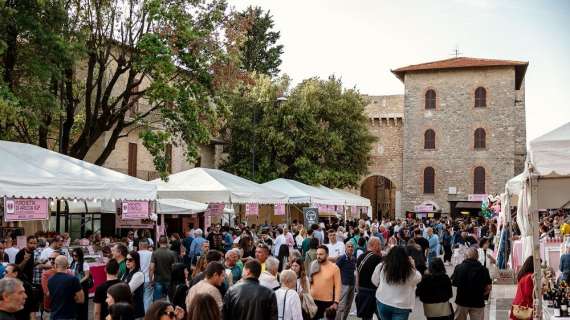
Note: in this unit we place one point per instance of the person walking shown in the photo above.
(100, 307)
(486, 256)
(135, 279)
(80, 270)
(25, 259)
(161, 268)
(326, 284)
(215, 275)
(435, 291)
(447, 242)
(347, 265)
(119, 253)
(145, 256)
(311, 254)
(433, 241)
(336, 248)
(365, 266)
(12, 298)
(65, 292)
(288, 301)
(233, 265)
(302, 280)
(396, 278)
(473, 284)
(196, 246)
(248, 300)
(525, 287)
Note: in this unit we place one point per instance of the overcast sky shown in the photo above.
(361, 40)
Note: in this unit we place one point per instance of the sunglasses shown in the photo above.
(130, 259)
(170, 314)
(51, 259)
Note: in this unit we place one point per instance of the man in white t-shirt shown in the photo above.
(279, 240)
(55, 245)
(336, 248)
(145, 259)
(12, 250)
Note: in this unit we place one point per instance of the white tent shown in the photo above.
(34, 172)
(545, 184)
(298, 192)
(353, 199)
(179, 206)
(216, 186)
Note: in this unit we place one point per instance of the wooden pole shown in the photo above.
(534, 221)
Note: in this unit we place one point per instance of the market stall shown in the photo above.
(218, 188)
(35, 179)
(544, 185)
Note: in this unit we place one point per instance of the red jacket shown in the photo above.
(523, 297)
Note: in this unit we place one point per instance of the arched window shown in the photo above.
(429, 180)
(429, 139)
(480, 137)
(430, 99)
(479, 180)
(480, 97)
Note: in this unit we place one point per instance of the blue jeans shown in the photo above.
(148, 295)
(391, 313)
(160, 290)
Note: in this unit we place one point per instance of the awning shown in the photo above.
(216, 186)
(468, 205)
(179, 206)
(299, 193)
(33, 172)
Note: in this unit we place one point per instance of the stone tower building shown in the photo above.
(463, 134)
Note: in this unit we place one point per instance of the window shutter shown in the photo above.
(429, 139)
(480, 138)
(430, 99)
(480, 97)
(429, 180)
(479, 180)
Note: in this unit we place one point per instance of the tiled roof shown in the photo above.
(464, 62)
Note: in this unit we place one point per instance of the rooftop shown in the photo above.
(465, 63)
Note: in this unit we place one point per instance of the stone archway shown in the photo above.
(382, 194)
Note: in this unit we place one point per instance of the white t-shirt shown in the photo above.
(46, 252)
(12, 252)
(290, 308)
(145, 256)
(402, 296)
(336, 250)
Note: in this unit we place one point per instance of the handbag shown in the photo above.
(435, 310)
(522, 312)
(308, 304)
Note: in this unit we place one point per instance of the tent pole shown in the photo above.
(535, 246)
(57, 214)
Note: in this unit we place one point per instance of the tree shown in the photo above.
(73, 70)
(318, 136)
(259, 51)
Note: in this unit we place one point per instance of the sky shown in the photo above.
(360, 41)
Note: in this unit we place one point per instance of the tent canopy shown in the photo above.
(550, 153)
(179, 206)
(216, 186)
(302, 193)
(34, 172)
(353, 199)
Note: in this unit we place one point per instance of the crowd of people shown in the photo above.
(258, 272)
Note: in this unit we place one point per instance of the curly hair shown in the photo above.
(397, 266)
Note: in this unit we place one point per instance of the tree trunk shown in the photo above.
(69, 104)
(112, 142)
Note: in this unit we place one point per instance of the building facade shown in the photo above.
(462, 134)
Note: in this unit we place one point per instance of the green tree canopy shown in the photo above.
(318, 136)
(73, 70)
(260, 52)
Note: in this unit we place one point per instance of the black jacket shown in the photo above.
(434, 288)
(248, 300)
(470, 278)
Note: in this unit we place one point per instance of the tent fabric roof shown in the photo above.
(550, 153)
(354, 200)
(465, 62)
(179, 206)
(34, 172)
(216, 186)
(302, 193)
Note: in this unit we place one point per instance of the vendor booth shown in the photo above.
(35, 179)
(544, 184)
(221, 191)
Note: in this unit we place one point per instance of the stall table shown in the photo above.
(97, 271)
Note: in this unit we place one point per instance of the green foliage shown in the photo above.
(73, 70)
(260, 53)
(317, 136)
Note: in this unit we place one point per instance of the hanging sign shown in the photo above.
(311, 216)
(135, 210)
(340, 209)
(365, 210)
(423, 208)
(251, 209)
(25, 209)
(279, 209)
(215, 209)
(476, 197)
(330, 208)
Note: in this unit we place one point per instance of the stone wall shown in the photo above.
(454, 121)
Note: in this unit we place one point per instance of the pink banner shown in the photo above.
(364, 209)
(330, 208)
(354, 210)
(340, 209)
(279, 209)
(25, 209)
(215, 209)
(133, 223)
(251, 209)
(135, 210)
